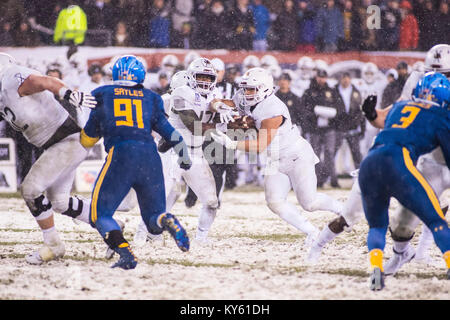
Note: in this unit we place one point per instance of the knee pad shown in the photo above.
(40, 207)
(74, 209)
(338, 225)
(401, 234)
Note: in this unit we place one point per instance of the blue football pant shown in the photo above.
(388, 172)
(129, 165)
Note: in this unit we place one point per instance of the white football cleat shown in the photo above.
(46, 253)
(202, 237)
(314, 254)
(110, 252)
(398, 260)
(311, 238)
(140, 237)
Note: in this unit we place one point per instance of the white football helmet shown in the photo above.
(259, 79)
(5, 61)
(320, 65)
(393, 73)
(169, 63)
(419, 66)
(202, 66)
(267, 61)
(306, 67)
(218, 64)
(249, 62)
(190, 56)
(438, 59)
(179, 79)
(275, 71)
(369, 72)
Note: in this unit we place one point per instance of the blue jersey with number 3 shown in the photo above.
(127, 114)
(418, 127)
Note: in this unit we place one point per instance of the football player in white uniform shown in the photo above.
(372, 82)
(305, 71)
(290, 158)
(192, 116)
(29, 105)
(403, 222)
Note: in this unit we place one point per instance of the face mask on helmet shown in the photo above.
(203, 83)
(255, 87)
(202, 76)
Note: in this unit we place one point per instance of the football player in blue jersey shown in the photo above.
(125, 116)
(412, 128)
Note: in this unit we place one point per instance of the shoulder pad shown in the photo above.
(16, 75)
(185, 92)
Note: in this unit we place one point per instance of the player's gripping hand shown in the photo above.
(226, 112)
(185, 163)
(224, 140)
(368, 107)
(78, 99)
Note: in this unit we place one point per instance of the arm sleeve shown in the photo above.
(91, 131)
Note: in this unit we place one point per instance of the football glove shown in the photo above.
(79, 99)
(368, 107)
(163, 145)
(225, 112)
(185, 164)
(224, 140)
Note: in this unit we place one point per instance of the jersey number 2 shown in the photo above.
(406, 121)
(128, 112)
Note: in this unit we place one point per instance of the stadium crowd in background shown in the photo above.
(314, 25)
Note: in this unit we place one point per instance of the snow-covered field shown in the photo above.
(254, 255)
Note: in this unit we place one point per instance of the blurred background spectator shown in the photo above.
(351, 122)
(262, 23)
(329, 27)
(6, 35)
(71, 26)
(286, 26)
(121, 36)
(409, 28)
(159, 28)
(304, 25)
(241, 26)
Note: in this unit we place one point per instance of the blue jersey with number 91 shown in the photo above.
(417, 126)
(126, 114)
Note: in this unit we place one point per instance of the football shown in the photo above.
(242, 122)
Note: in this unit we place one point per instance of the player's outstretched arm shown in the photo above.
(37, 83)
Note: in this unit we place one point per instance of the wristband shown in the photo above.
(64, 93)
